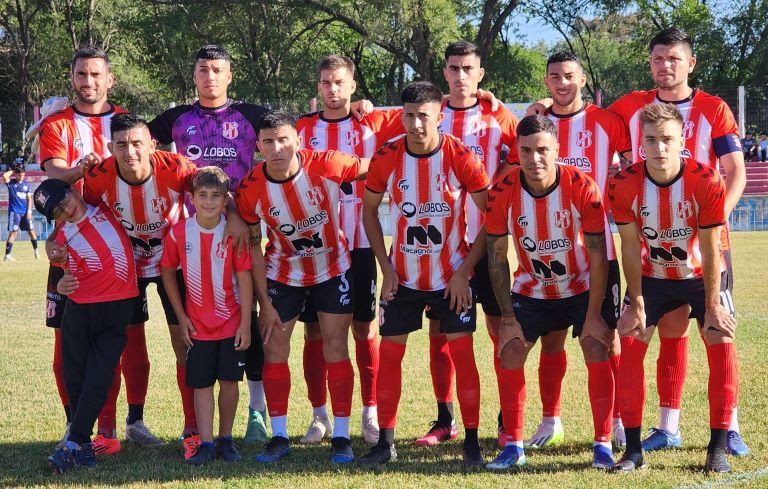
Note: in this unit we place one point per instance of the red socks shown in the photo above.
(552, 368)
(632, 381)
(723, 384)
(389, 382)
(441, 368)
(187, 399)
(277, 387)
(341, 384)
(671, 368)
(315, 371)
(615, 362)
(600, 384)
(467, 380)
(512, 398)
(367, 357)
(135, 365)
(58, 368)
(108, 414)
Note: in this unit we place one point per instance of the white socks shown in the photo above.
(372, 412)
(258, 401)
(321, 411)
(279, 426)
(341, 427)
(669, 420)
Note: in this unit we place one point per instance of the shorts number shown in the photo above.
(726, 299)
(50, 309)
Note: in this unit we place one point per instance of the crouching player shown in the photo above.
(216, 324)
(669, 213)
(93, 328)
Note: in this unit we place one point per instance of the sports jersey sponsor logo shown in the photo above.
(584, 139)
(118, 206)
(684, 210)
(143, 227)
(347, 188)
(668, 234)
(274, 211)
(78, 144)
(287, 229)
(191, 131)
(562, 218)
(312, 221)
(159, 205)
(307, 246)
(315, 196)
(478, 150)
(352, 138)
(427, 209)
(229, 130)
(528, 244)
(580, 162)
(688, 128)
(314, 141)
(644, 212)
(221, 250)
(402, 185)
(550, 246)
(419, 240)
(522, 221)
(194, 152)
(551, 272)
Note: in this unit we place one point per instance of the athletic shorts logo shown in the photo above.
(562, 218)
(684, 210)
(241, 364)
(159, 205)
(344, 298)
(229, 130)
(584, 139)
(315, 196)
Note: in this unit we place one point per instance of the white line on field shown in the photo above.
(729, 480)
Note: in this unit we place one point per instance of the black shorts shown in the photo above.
(334, 296)
(364, 282)
(54, 302)
(726, 283)
(141, 309)
(481, 286)
(209, 361)
(18, 222)
(662, 296)
(402, 315)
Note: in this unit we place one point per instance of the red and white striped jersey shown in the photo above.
(669, 216)
(548, 231)
(358, 138)
(589, 139)
(427, 197)
(209, 266)
(306, 246)
(146, 210)
(484, 132)
(100, 257)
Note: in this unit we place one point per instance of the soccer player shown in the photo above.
(427, 175)
(215, 320)
(669, 211)
(555, 216)
(334, 128)
(710, 138)
(296, 194)
(588, 139)
(19, 209)
(93, 326)
(66, 140)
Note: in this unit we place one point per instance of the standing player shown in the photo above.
(588, 138)
(334, 128)
(296, 194)
(66, 138)
(669, 212)
(711, 138)
(428, 176)
(555, 216)
(19, 209)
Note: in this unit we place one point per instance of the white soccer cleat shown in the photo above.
(8, 258)
(547, 434)
(370, 427)
(37, 255)
(619, 436)
(319, 428)
(139, 434)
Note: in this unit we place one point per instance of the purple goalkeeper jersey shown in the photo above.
(223, 136)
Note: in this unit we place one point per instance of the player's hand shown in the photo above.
(489, 97)
(596, 328)
(56, 253)
(67, 284)
(243, 337)
(187, 330)
(87, 162)
(536, 108)
(236, 229)
(510, 330)
(632, 321)
(718, 318)
(361, 108)
(459, 293)
(389, 284)
(269, 319)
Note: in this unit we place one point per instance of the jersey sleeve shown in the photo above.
(725, 131)
(161, 127)
(498, 207)
(380, 168)
(252, 113)
(337, 166)
(93, 183)
(623, 107)
(469, 170)
(186, 171)
(170, 258)
(710, 196)
(51, 141)
(247, 195)
(620, 198)
(618, 134)
(590, 206)
(386, 124)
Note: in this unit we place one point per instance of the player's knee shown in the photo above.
(312, 331)
(593, 350)
(363, 330)
(715, 337)
(513, 354)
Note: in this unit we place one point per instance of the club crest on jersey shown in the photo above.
(229, 130)
(402, 185)
(479, 128)
(352, 138)
(562, 218)
(584, 139)
(315, 196)
(274, 211)
(684, 210)
(441, 182)
(688, 129)
(522, 221)
(99, 217)
(221, 250)
(159, 205)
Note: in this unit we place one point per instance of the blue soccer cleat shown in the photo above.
(511, 456)
(660, 439)
(276, 449)
(341, 450)
(736, 445)
(602, 458)
(72, 455)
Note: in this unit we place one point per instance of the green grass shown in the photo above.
(31, 419)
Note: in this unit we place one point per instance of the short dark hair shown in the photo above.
(90, 52)
(657, 114)
(563, 57)
(534, 124)
(124, 121)
(671, 37)
(421, 92)
(276, 118)
(461, 48)
(335, 62)
(212, 51)
(210, 177)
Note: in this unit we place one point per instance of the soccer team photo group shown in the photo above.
(387, 262)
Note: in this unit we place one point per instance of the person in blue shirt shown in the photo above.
(19, 209)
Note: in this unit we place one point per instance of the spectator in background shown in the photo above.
(19, 208)
(762, 145)
(749, 146)
(19, 160)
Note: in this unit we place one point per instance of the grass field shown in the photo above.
(31, 418)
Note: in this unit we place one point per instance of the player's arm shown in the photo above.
(7, 176)
(57, 167)
(236, 228)
(372, 226)
(56, 252)
(501, 282)
(594, 324)
(361, 108)
(268, 317)
(633, 317)
(365, 163)
(171, 285)
(245, 287)
(716, 317)
(30, 205)
(458, 290)
(539, 107)
(735, 179)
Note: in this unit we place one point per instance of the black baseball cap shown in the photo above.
(48, 195)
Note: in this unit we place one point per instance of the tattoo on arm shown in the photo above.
(498, 270)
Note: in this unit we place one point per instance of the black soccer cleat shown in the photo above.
(471, 456)
(380, 454)
(717, 462)
(630, 461)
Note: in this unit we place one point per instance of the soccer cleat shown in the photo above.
(276, 449)
(190, 442)
(205, 452)
(37, 255)
(256, 432)
(71, 455)
(379, 454)
(438, 434)
(472, 457)
(511, 456)
(319, 428)
(660, 439)
(63, 440)
(546, 434)
(629, 462)
(619, 436)
(226, 449)
(717, 462)
(602, 458)
(736, 445)
(139, 434)
(370, 428)
(502, 439)
(104, 445)
(341, 450)
(8, 258)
